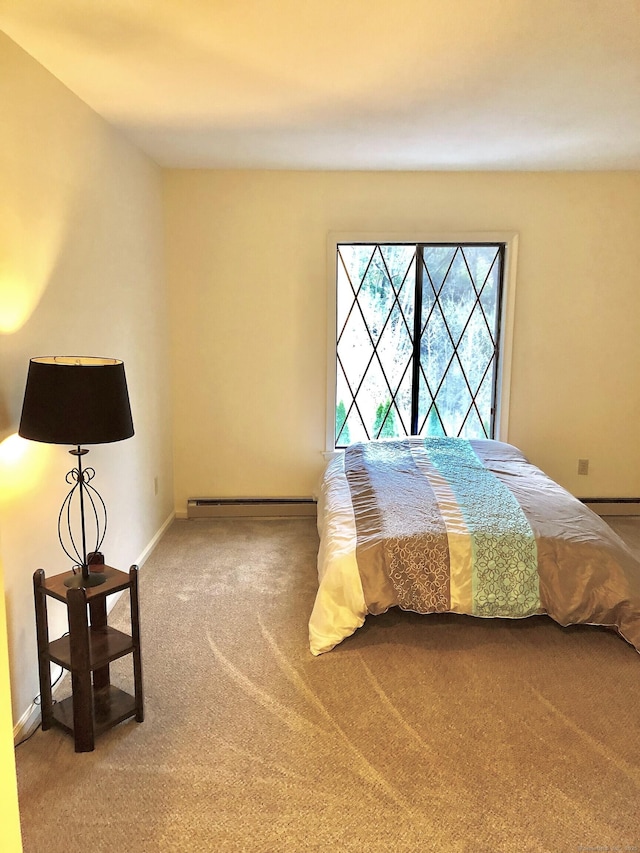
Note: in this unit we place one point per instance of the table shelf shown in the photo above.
(105, 645)
(110, 707)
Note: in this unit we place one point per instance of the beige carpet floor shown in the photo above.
(436, 733)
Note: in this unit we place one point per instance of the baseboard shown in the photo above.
(142, 559)
(613, 506)
(30, 719)
(251, 508)
(26, 723)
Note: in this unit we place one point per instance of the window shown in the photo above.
(419, 339)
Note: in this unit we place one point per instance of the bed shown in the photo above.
(449, 525)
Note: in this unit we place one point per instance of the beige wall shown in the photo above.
(248, 290)
(81, 272)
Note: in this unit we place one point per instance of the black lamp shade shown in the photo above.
(76, 400)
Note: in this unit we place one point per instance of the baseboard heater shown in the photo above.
(251, 507)
(613, 506)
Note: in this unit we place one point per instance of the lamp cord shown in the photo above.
(37, 701)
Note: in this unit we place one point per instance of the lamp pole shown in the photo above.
(80, 452)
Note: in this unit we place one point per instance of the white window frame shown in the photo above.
(503, 383)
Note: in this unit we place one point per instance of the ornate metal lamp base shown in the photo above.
(80, 478)
(81, 582)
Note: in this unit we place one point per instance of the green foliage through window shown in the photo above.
(384, 425)
(342, 429)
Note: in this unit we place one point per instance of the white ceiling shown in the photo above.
(352, 84)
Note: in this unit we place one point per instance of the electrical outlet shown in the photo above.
(583, 466)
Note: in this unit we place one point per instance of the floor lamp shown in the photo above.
(78, 400)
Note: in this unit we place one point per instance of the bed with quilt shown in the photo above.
(450, 525)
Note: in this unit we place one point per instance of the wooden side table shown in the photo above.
(95, 704)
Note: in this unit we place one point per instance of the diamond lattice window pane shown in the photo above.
(480, 261)
(472, 426)
(436, 348)
(428, 419)
(400, 264)
(457, 297)
(355, 349)
(373, 393)
(403, 401)
(355, 260)
(354, 429)
(453, 399)
(475, 350)
(395, 348)
(437, 260)
(489, 299)
(345, 297)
